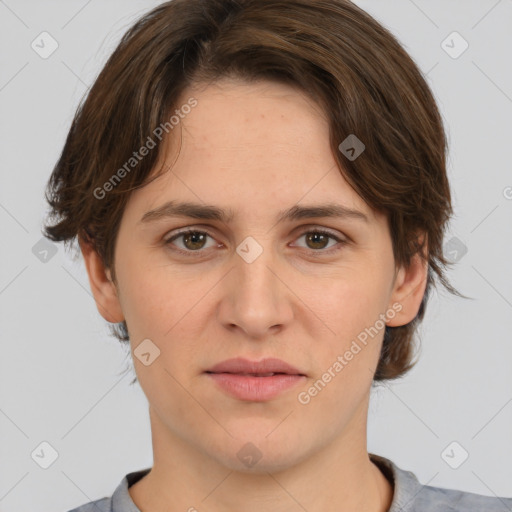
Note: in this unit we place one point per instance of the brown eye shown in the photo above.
(191, 241)
(194, 241)
(318, 240)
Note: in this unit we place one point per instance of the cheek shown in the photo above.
(352, 300)
(165, 306)
(347, 357)
(351, 306)
(148, 301)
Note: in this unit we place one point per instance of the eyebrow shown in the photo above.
(210, 212)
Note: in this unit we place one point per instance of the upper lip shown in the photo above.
(241, 365)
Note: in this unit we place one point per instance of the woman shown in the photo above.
(259, 191)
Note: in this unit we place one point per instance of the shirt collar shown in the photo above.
(406, 486)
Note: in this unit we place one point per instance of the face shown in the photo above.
(259, 284)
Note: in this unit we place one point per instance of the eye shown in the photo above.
(192, 240)
(318, 240)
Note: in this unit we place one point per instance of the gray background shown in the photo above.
(61, 373)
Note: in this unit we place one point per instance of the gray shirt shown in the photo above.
(408, 495)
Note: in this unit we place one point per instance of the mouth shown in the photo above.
(255, 381)
(265, 368)
(256, 374)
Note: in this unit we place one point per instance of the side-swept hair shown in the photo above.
(335, 52)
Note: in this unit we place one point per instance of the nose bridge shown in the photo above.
(255, 259)
(257, 299)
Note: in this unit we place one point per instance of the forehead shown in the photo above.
(250, 147)
(255, 113)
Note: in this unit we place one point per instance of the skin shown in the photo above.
(255, 148)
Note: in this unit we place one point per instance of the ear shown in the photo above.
(102, 286)
(408, 289)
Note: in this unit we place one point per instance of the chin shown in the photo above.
(257, 452)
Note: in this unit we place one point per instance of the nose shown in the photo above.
(256, 298)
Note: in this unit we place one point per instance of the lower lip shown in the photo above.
(247, 387)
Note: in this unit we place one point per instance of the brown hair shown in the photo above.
(334, 51)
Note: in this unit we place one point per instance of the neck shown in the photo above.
(339, 478)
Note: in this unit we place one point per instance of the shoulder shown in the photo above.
(120, 501)
(101, 505)
(437, 499)
(410, 495)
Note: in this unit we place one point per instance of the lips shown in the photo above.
(255, 381)
(264, 368)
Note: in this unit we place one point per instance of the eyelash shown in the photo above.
(200, 252)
